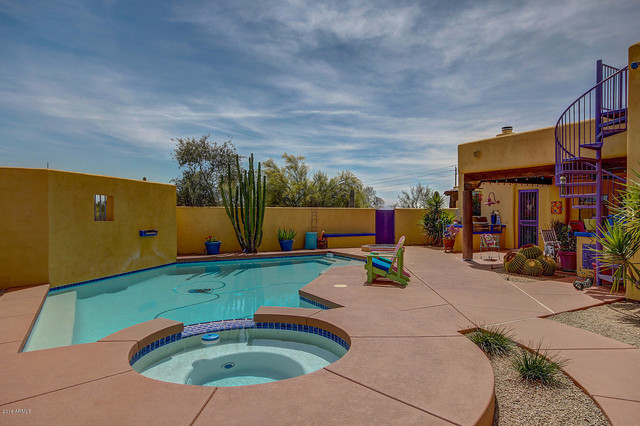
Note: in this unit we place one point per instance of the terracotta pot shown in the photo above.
(567, 260)
(448, 244)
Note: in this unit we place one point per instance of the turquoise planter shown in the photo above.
(286, 245)
(213, 248)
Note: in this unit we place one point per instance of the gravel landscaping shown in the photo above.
(619, 321)
(522, 403)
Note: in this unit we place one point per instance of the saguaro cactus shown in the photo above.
(245, 205)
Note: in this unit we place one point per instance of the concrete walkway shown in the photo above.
(408, 363)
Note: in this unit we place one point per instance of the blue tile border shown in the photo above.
(314, 303)
(339, 256)
(153, 346)
(203, 328)
(67, 286)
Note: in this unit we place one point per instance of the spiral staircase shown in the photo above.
(581, 133)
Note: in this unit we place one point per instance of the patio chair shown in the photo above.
(490, 244)
(387, 265)
(550, 242)
(323, 242)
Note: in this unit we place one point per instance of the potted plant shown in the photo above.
(449, 238)
(286, 236)
(567, 240)
(212, 244)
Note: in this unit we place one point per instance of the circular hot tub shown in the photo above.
(241, 357)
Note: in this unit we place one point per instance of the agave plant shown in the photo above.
(620, 240)
(435, 219)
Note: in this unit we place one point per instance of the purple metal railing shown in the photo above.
(580, 133)
(598, 113)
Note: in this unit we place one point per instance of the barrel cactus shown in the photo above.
(513, 262)
(530, 251)
(532, 267)
(245, 204)
(549, 265)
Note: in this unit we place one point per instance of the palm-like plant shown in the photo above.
(435, 219)
(620, 240)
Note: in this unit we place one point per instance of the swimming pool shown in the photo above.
(189, 292)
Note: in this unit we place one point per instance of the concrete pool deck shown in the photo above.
(408, 363)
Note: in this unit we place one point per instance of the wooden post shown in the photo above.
(467, 224)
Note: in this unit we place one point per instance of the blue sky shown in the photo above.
(385, 89)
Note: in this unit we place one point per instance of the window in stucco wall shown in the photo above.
(102, 208)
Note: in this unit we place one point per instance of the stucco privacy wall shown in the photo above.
(196, 223)
(407, 223)
(82, 249)
(24, 227)
(49, 233)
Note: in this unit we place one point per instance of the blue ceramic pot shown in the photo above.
(286, 245)
(213, 248)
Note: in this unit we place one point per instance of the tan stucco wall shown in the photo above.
(24, 227)
(196, 223)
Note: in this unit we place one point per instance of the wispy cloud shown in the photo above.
(380, 88)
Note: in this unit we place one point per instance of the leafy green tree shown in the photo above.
(291, 186)
(203, 163)
(416, 198)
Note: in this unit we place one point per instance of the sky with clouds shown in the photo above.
(385, 89)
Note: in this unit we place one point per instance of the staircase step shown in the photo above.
(595, 145)
(580, 206)
(578, 172)
(615, 122)
(607, 133)
(577, 195)
(614, 113)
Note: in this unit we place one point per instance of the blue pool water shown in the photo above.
(191, 293)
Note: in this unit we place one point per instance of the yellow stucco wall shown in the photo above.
(407, 223)
(49, 233)
(633, 135)
(24, 227)
(521, 150)
(82, 249)
(196, 223)
(507, 194)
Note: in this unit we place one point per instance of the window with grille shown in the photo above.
(102, 208)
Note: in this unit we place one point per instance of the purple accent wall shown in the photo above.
(385, 227)
(527, 217)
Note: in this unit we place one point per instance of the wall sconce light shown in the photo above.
(491, 202)
(563, 182)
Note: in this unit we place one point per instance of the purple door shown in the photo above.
(385, 227)
(528, 217)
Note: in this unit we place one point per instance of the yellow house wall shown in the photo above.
(24, 227)
(196, 223)
(633, 136)
(82, 249)
(521, 150)
(507, 194)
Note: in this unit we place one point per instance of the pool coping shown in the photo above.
(321, 289)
